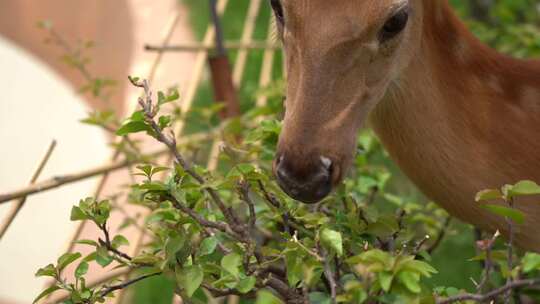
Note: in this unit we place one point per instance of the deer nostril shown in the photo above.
(309, 187)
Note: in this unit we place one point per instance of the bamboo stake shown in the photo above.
(230, 45)
(20, 203)
(239, 69)
(58, 181)
(112, 166)
(200, 63)
(267, 66)
(247, 35)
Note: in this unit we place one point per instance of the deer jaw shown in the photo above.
(341, 59)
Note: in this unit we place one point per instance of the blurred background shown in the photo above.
(63, 59)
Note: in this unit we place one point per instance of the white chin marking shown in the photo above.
(327, 163)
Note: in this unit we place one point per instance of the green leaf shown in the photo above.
(410, 280)
(77, 214)
(173, 95)
(489, 194)
(137, 116)
(246, 284)
(385, 279)
(420, 267)
(189, 278)
(513, 214)
(67, 259)
(47, 271)
(87, 242)
(134, 79)
(231, 263)
(145, 259)
(81, 270)
(332, 240)
(531, 261)
(319, 298)
(132, 127)
(174, 244)
(102, 257)
(208, 246)
(161, 98)
(164, 121)
(295, 271)
(524, 188)
(46, 292)
(267, 297)
(118, 241)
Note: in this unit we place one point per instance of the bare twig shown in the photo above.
(108, 244)
(329, 274)
(216, 292)
(419, 245)
(440, 236)
(221, 226)
(510, 252)
(20, 203)
(492, 294)
(244, 194)
(114, 288)
(487, 246)
(62, 180)
(273, 201)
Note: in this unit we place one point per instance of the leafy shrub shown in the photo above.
(233, 232)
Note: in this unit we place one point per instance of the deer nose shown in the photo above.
(309, 185)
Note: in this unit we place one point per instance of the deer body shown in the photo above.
(455, 115)
(463, 118)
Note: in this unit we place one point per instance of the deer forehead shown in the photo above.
(351, 16)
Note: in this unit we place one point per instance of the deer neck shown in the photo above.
(458, 111)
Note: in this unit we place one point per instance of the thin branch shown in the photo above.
(221, 226)
(62, 180)
(329, 274)
(419, 245)
(510, 253)
(244, 195)
(20, 203)
(492, 294)
(114, 288)
(487, 246)
(108, 244)
(273, 201)
(170, 141)
(218, 293)
(440, 236)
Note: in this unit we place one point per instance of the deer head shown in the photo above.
(341, 57)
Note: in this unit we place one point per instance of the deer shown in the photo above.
(455, 115)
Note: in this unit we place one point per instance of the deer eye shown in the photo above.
(395, 25)
(278, 11)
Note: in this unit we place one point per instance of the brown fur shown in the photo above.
(455, 115)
